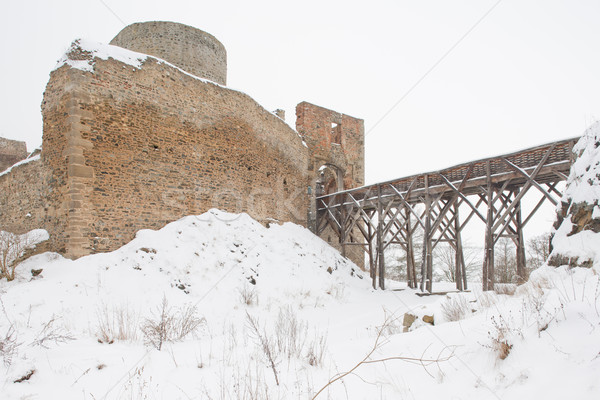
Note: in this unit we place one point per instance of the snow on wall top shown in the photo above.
(92, 50)
(82, 53)
(25, 161)
(583, 184)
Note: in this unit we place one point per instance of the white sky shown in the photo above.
(526, 75)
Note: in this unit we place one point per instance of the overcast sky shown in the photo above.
(506, 74)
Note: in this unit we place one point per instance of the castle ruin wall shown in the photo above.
(30, 199)
(336, 141)
(143, 147)
(188, 48)
(11, 152)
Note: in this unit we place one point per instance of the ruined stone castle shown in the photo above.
(143, 131)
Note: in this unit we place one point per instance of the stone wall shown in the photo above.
(337, 162)
(30, 199)
(11, 152)
(139, 148)
(128, 148)
(188, 48)
(333, 138)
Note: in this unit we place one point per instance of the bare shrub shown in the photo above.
(265, 342)
(248, 295)
(290, 333)
(535, 307)
(502, 336)
(455, 308)
(292, 338)
(52, 332)
(316, 348)
(241, 383)
(169, 325)
(11, 248)
(487, 299)
(117, 323)
(8, 345)
(508, 289)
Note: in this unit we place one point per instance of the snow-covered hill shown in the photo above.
(250, 312)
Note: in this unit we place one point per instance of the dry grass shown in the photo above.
(248, 295)
(52, 332)
(487, 299)
(11, 248)
(508, 289)
(501, 337)
(170, 325)
(455, 308)
(118, 323)
(9, 346)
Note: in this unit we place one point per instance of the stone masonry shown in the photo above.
(337, 159)
(190, 49)
(11, 152)
(128, 148)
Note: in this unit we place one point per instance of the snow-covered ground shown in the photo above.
(279, 305)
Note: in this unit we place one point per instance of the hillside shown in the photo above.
(276, 313)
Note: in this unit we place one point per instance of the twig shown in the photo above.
(264, 342)
(376, 345)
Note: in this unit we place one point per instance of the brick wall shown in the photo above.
(11, 152)
(141, 148)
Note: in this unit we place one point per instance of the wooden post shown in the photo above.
(427, 264)
(371, 261)
(343, 227)
(522, 274)
(488, 262)
(380, 239)
(459, 262)
(411, 272)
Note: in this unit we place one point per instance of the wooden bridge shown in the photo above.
(376, 216)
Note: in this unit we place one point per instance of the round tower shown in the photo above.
(188, 48)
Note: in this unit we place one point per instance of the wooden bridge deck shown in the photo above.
(556, 166)
(377, 215)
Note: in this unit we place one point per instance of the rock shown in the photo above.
(36, 272)
(408, 320)
(428, 319)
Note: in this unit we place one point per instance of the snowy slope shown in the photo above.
(77, 325)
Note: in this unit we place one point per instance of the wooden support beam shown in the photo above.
(459, 260)
(522, 274)
(530, 180)
(488, 262)
(526, 187)
(380, 240)
(427, 261)
(463, 197)
(372, 270)
(411, 271)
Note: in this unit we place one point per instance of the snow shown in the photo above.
(229, 266)
(584, 245)
(14, 246)
(583, 184)
(25, 161)
(102, 51)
